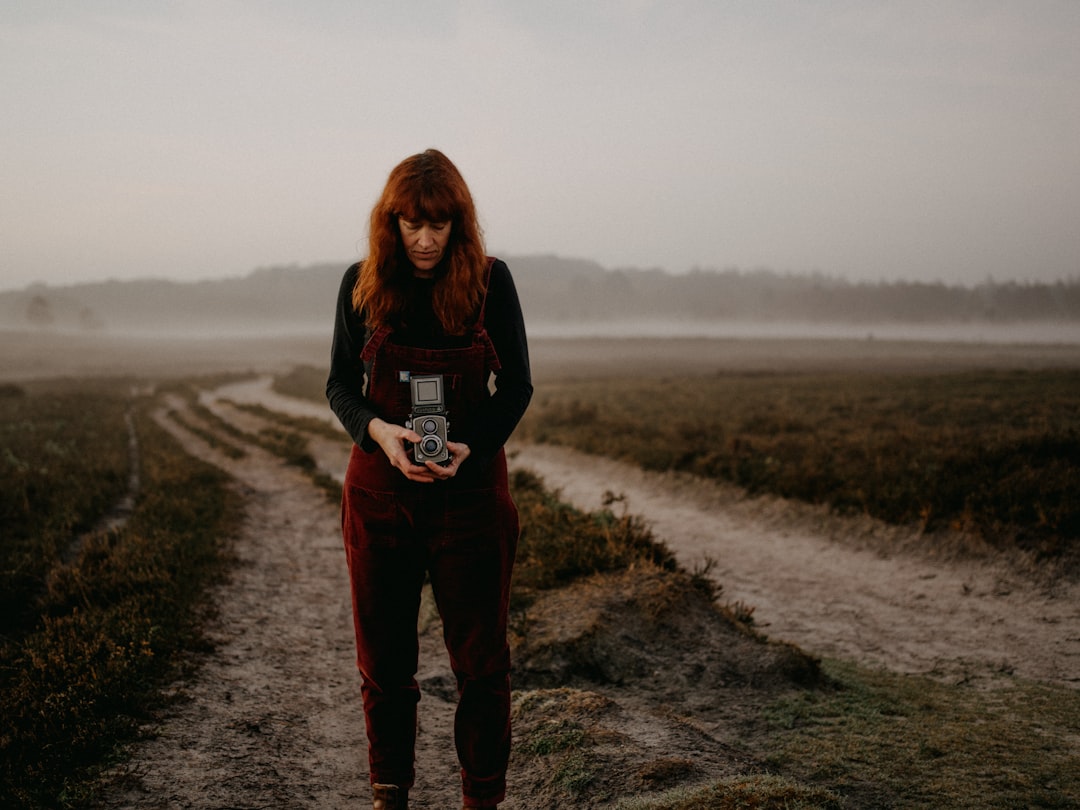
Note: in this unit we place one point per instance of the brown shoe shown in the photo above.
(389, 797)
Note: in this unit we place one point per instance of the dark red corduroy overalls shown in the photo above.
(463, 533)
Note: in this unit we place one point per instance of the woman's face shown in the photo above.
(425, 242)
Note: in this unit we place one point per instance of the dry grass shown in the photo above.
(63, 464)
(82, 664)
(928, 744)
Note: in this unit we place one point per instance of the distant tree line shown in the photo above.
(551, 289)
(582, 291)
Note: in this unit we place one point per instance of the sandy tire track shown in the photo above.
(813, 582)
(273, 718)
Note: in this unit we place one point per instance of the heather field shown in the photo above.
(104, 570)
(993, 455)
(143, 507)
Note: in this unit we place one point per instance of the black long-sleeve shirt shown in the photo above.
(347, 382)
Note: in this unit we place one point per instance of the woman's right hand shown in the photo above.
(391, 438)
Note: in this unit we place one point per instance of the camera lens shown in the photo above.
(429, 426)
(431, 445)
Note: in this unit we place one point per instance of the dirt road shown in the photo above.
(819, 581)
(274, 720)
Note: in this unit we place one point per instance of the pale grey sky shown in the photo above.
(891, 140)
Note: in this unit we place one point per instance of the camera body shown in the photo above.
(429, 418)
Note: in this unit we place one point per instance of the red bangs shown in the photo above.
(429, 188)
(431, 205)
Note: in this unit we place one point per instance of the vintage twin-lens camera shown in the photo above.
(428, 418)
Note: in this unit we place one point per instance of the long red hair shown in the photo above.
(427, 187)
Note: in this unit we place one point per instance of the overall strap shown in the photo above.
(379, 335)
(374, 343)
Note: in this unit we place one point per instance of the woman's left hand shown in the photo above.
(458, 453)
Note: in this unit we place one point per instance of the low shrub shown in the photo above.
(110, 626)
(559, 543)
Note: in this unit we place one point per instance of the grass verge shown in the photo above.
(107, 630)
(883, 739)
(63, 463)
(757, 791)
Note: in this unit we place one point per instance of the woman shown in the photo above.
(427, 303)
